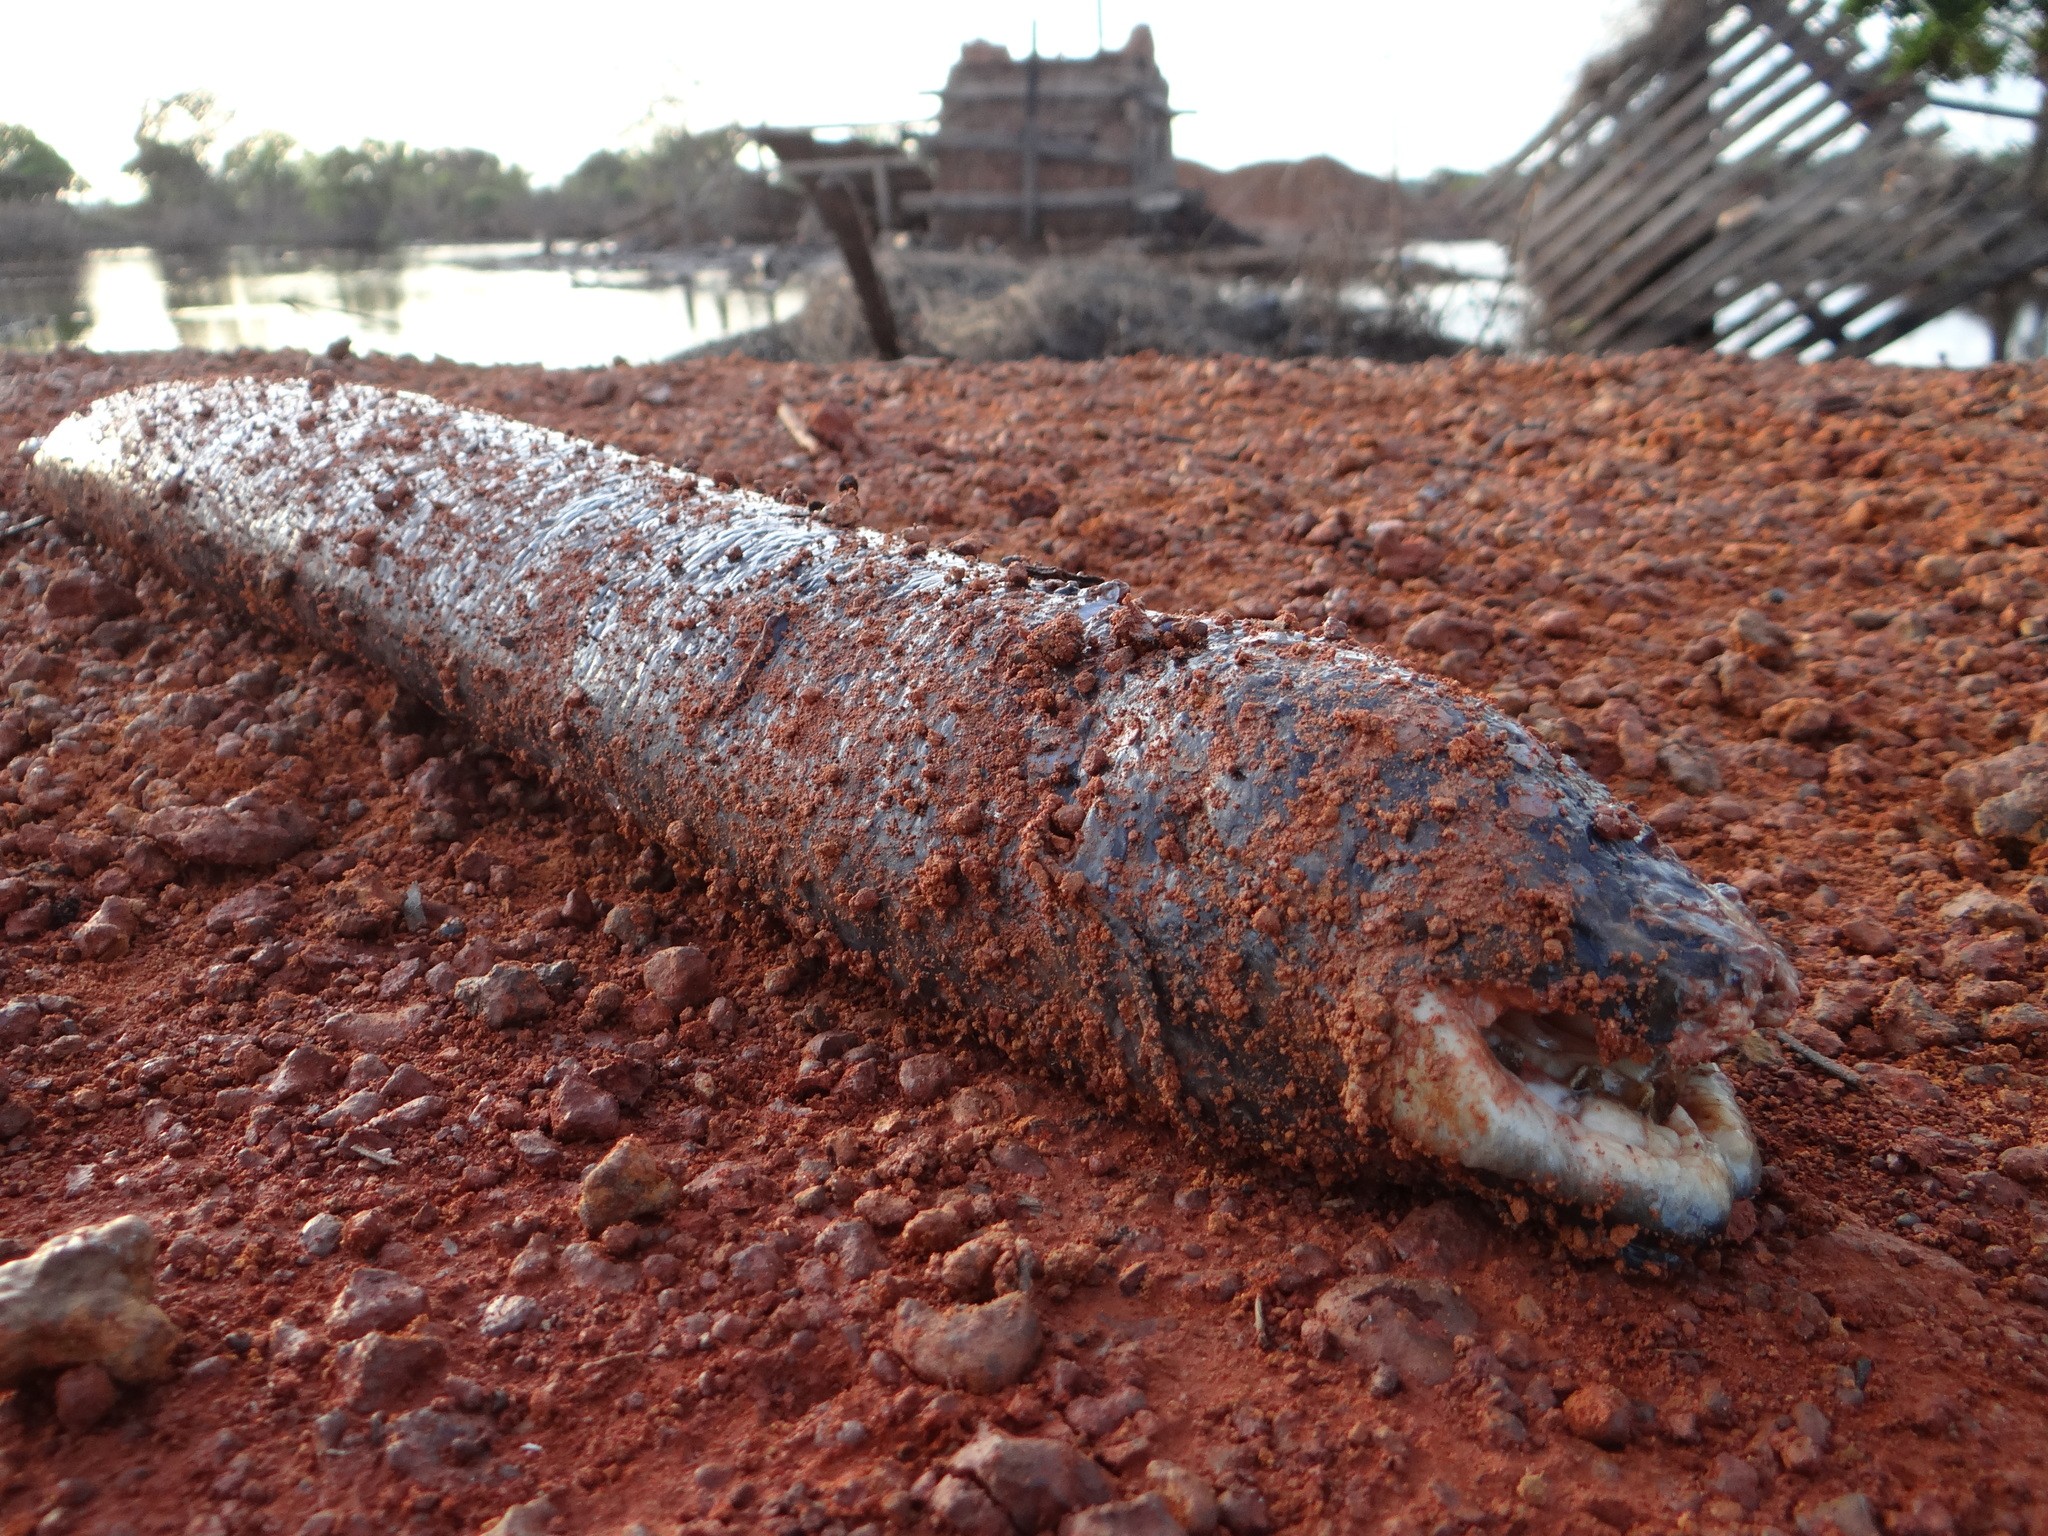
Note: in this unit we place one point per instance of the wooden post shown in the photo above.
(840, 210)
(1030, 169)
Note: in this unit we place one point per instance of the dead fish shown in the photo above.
(1297, 900)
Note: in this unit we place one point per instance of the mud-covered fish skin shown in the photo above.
(1294, 898)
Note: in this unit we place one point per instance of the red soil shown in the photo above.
(1600, 527)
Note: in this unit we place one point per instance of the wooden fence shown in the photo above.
(1747, 177)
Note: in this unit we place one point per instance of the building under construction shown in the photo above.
(1031, 151)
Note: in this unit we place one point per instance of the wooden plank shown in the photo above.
(2023, 256)
(1049, 200)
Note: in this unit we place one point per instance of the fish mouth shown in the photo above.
(1650, 1136)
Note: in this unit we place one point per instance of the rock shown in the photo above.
(982, 1349)
(105, 935)
(375, 1301)
(1444, 631)
(247, 832)
(854, 1245)
(1441, 1238)
(508, 1314)
(1753, 635)
(1146, 1515)
(294, 1346)
(624, 1185)
(534, 1518)
(84, 1396)
(1096, 1418)
(1969, 785)
(364, 1233)
(1733, 1478)
(1690, 765)
(1867, 936)
(2029, 1165)
(928, 1078)
(586, 1265)
(1907, 1022)
(680, 976)
(1849, 1514)
(2020, 814)
(1189, 1500)
(85, 1298)
(884, 1209)
(757, 1269)
(1033, 1482)
(321, 1234)
(2018, 1024)
(378, 1371)
(88, 594)
(935, 1231)
(959, 1506)
(507, 995)
(582, 1111)
(533, 1262)
(1601, 1414)
(1983, 911)
(1243, 1512)
(1405, 1325)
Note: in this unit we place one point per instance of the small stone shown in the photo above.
(1146, 1515)
(1243, 1512)
(507, 1315)
(378, 1371)
(1601, 1414)
(1402, 1324)
(321, 1234)
(86, 1298)
(294, 1346)
(304, 1074)
(582, 1111)
(84, 1396)
(983, 1349)
(1849, 1514)
(1189, 1500)
(2028, 1165)
(247, 832)
(586, 1265)
(680, 976)
(757, 1268)
(884, 1209)
(959, 1506)
(854, 1245)
(537, 1151)
(365, 1233)
(533, 1518)
(375, 1300)
(508, 994)
(928, 1078)
(938, 1230)
(1033, 1482)
(535, 1261)
(626, 1184)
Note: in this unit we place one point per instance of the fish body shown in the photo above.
(1282, 892)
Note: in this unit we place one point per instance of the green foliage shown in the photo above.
(171, 144)
(29, 168)
(1961, 39)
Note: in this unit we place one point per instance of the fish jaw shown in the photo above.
(1525, 1098)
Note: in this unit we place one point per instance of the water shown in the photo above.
(472, 303)
(514, 304)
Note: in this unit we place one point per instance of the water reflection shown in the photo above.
(477, 304)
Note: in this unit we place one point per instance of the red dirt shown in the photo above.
(1653, 497)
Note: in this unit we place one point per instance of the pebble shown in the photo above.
(378, 1371)
(927, 1078)
(84, 1396)
(508, 994)
(582, 1111)
(1033, 1482)
(508, 1314)
(321, 1234)
(84, 1298)
(627, 1183)
(854, 1245)
(375, 1300)
(1146, 1515)
(1601, 1414)
(981, 1349)
(679, 977)
(1191, 1501)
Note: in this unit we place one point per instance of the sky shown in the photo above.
(1379, 85)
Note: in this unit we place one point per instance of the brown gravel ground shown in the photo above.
(1771, 606)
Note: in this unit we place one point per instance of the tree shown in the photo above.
(171, 145)
(30, 169)
(1959, 40)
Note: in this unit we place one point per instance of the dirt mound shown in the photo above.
(356, 1087)
(1290, 202)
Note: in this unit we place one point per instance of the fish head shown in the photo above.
(1554, 1018)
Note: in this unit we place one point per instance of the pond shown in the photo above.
(470, 303)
